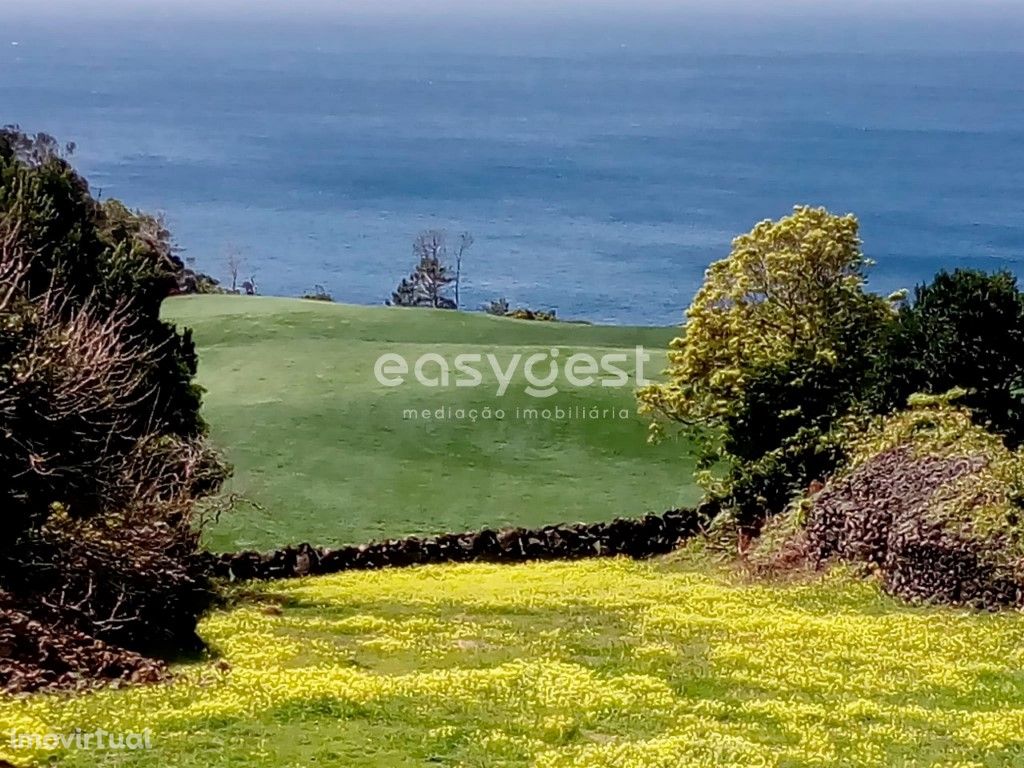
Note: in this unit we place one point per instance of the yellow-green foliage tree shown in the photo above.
(774, 328)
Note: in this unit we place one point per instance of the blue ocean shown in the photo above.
(599, 169)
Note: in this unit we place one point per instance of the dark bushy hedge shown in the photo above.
(102, 448)
(107, 268)
(780, 436)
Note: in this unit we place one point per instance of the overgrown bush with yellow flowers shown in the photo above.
(783, 343)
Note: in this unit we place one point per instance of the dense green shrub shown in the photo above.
(102, 448)
(781, 436)
(964, 329)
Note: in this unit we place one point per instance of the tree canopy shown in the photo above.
(790, 289)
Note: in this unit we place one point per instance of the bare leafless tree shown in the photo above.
(432, 275)
(465, 243)
(430, 244)
(234, 262)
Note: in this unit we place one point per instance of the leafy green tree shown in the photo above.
(779, 342)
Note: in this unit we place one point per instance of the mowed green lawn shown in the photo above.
(330, 455)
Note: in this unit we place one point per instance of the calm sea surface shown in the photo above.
(597, 179)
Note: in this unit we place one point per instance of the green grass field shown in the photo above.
(599, 664)
(328, 454)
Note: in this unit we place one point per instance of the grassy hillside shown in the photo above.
(330, 456)
(607, 664)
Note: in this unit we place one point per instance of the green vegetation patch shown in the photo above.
(329, 455)
(593, 663)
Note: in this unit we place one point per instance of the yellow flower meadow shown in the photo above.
(596, 663)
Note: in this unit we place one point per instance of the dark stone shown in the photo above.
(638, 538)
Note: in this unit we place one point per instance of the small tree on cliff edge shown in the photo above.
(432, 277)
(465, 243)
